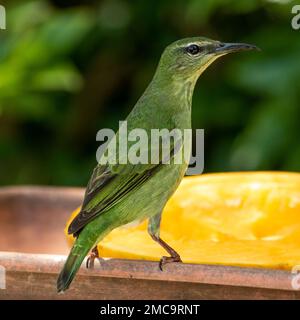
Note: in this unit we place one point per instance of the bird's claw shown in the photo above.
(90, 262)
(164, 260)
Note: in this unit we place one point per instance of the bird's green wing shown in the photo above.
(109, 185)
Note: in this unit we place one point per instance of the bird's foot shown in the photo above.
(174, 256)
(91, 259)
(164, 260)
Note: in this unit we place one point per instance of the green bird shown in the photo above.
(121, 193)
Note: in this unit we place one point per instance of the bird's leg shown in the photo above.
(153, 229)
(91, 259)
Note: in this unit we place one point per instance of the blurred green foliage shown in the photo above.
(68, 69)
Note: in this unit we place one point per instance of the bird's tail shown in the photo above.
(80, 249)
(71, 267)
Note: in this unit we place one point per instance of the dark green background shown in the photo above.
(70, 68)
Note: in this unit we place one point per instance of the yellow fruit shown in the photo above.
(245, 219)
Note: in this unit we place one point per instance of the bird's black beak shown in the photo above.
(223, 48)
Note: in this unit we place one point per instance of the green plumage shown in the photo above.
(118, 194)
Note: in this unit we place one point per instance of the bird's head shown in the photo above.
(188, 58)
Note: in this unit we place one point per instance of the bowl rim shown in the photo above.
(148, 270)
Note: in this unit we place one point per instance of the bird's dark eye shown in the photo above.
(192, 49)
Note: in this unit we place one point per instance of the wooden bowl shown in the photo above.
(33, 249)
